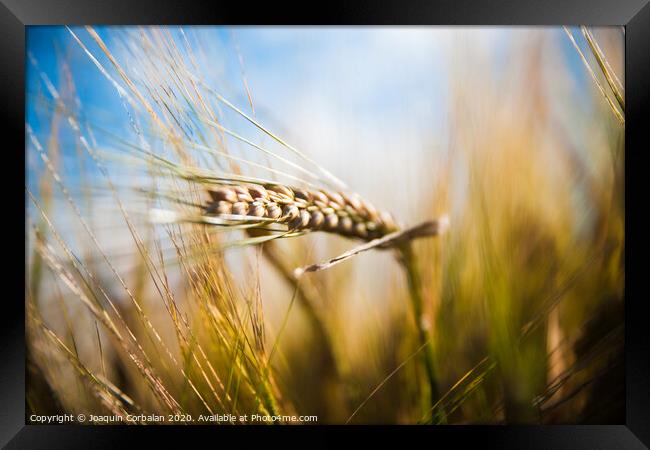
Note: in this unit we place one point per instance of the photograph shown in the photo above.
(324, 225)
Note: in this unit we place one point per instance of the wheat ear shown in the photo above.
(301, 209)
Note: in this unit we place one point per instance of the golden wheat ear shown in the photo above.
(301, 209)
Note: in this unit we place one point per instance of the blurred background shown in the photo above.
(516, 133)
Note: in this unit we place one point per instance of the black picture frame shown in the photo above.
(15, 15)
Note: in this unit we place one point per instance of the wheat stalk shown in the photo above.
(344, 214)
(340, 213)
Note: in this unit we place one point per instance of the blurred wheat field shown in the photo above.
(143, 304)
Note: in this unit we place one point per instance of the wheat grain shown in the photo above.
(303, 209)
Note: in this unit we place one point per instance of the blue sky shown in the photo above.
(369, 70)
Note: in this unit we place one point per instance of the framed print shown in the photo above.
(407, 219)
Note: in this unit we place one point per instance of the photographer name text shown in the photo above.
(170, 418)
